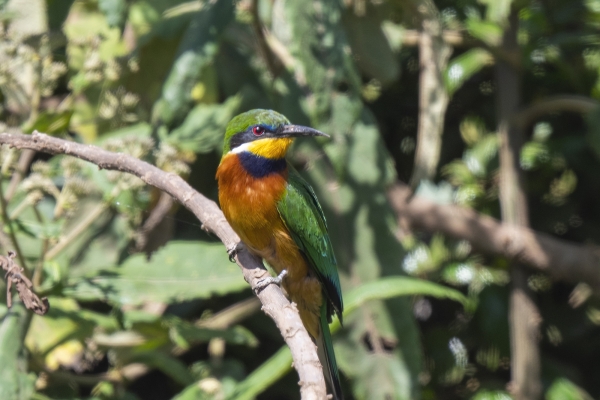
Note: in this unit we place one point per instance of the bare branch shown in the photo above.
(562, 260)
(433, 97)
(275, 304)
(555, 104)
(524, 316)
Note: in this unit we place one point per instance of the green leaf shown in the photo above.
(60, 324)
(15, 382)
(180, 271)
(185, 334)
(497, 10)
(203, 128)
(51, 123)
(395, 286)
(198, 48)
(171, 366)
(533, 155)
(564, 389)
(486, 394)
(264, 376)
(372, 52)
(142, 130)
(486, 31)
(461, 68)
(114, 10)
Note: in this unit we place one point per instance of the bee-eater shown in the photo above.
(278, 217)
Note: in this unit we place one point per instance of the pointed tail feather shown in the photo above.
(327, 356)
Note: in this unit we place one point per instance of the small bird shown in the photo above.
(278, 217)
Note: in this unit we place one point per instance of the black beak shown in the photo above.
(299, 130)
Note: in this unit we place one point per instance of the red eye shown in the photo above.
(258, 130)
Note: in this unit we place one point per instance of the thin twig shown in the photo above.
(11, 229)
(39, 268)
(275, 304)
(230, 315)
(25, 160)
(64, 241)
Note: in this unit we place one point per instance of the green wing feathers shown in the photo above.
(303, 216)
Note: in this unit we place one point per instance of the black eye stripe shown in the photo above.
(248, 135)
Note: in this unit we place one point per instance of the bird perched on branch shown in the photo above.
(277, 215)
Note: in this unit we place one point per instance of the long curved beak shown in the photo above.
(299, 130)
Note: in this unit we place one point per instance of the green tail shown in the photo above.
(327, 356)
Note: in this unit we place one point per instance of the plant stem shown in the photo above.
(39, 268)
(76, 231)
(11, 231)
(231, 315)
(25, 161)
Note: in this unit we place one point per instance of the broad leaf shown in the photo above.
(180, 271)
(461, 68)
(198, 48)
(15, 382)
(203, 129)
(564, 389)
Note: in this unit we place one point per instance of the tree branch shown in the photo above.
(524, 316)
(275, 304)
(555, 104)
(560, 259)
(433, 97)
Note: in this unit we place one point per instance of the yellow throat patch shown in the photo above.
(270, 148)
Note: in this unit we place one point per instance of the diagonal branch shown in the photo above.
(275, 304)
(562, 260)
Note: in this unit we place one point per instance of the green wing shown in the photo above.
(303, 216)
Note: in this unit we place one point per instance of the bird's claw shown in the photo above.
(263, 283)
(232, 251)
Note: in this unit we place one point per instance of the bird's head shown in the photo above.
(264, 133)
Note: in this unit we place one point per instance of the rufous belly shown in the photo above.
(250, 206)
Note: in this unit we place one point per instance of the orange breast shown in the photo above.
(250, 206)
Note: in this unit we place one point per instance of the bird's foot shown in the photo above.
(232, 251)
(263, 283)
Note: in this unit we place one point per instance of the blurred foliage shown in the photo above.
(426, 315)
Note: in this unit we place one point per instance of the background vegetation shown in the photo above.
(145, 305)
